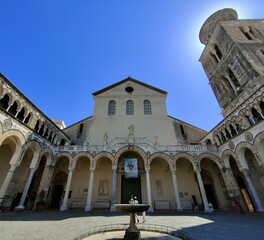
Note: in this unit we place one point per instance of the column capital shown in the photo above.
(32, 170)
(147, 169)
(13, 166)
(244, 170)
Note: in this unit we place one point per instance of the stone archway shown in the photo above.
(79, 183)
(102, 184)
(255, 172)
(131, 183)
(241, 195)
(213, 181)
(33, 188)
(187, 183)
(58, 188)
(58, 181)
(161, 181)
(210, 188)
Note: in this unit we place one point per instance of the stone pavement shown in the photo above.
(66, 225)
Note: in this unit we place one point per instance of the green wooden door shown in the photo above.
(130, 187)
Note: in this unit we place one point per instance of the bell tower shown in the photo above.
(233, 57)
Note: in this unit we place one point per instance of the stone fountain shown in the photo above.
(132, 232)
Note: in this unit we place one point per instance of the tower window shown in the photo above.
(129, 107)
(228, 85)
(147, 107)
(233, 78)
(218, 52)
(112, 108)
(248, 33)
(80, 130)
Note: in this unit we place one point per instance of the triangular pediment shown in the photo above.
(129, 79)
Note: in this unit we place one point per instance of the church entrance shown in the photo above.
(130, 187)
(210, 195)
(56, 196)
(58, 189)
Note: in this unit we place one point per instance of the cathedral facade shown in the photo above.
(130, 146)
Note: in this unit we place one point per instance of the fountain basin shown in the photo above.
(132, 232)
(132, 208)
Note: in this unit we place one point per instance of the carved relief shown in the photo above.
(7, 124)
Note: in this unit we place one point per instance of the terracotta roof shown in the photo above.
(131, 80)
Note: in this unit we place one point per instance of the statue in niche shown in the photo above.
(131, 130)
(105, 139)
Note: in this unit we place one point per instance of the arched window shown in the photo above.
(112, 108)
(129, 107)
(233, 78)
(4, 102)
(147, 107)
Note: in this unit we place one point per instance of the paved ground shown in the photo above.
(66, 225)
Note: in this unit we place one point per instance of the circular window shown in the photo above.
(129, 89)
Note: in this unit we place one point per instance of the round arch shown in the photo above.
(47, 152)
(259, 145)
(162, 156)
(17, 135)
(62, 154)
(210, 156)
(225, 157)
(186, 156)
(36, 149)
(135, 149)
(240, 151)
(103, 155)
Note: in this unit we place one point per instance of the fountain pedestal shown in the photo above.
(132, 232)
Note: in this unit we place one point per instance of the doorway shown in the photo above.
(130, 187)
(56, 196)
(209, 191)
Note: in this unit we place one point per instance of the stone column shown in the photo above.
(6, 182)
(148, 189)
(90, 191)
(9, 106)
(260, 113)
(201, 186)
(113, 200)
(176, 191)
(259, 206)
(64, 205)
(25, 192)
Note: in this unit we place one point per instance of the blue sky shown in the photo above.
(58, 52)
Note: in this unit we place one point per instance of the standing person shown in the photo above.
(143, 217)
(136, 202)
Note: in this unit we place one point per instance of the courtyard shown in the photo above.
(67, 225)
